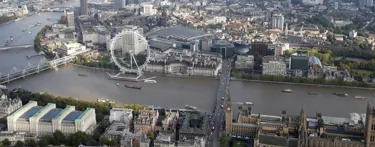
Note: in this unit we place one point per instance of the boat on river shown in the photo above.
(287, 90)
(149, 81)
(24, 29)
(82, 75)
(360, 97)
(310, 93)
(191, 107)
(133, 87)
(341, 94)
(103, 100)
(118, 84)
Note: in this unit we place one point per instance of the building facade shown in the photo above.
(146, 121)
(70, 17)
(273, 65)
(278, 21)
(120, 115)
(301, 131)
(83, 7)
(9, 105)
(35, 119)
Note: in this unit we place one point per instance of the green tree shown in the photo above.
(44, 142)
(58, 138)
(31, 143)
(6, 142)
(19, 144)
(224, 140)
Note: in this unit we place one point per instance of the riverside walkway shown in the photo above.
(16, 46)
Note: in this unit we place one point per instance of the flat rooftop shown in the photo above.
(51, 114)
(31, 112)
(179, 32)
(72, 116)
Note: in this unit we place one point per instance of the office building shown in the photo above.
(244, 62)
(119, 4)
(273, 65)
(170, 120)
(148, 9)
(9, 105)
(84, 7)
(44, 120)
(69, 48)
(146, 121)
(312, 2)
(278, 21)
(365, 4)
(120, 115)
(70, 17)
(225, 48)
(193, 125)
(352, 34)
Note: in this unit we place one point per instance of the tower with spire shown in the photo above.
(370, 126)
(302, 129)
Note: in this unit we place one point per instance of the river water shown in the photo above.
(169, 91)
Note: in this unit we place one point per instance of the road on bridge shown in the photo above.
(218, 117)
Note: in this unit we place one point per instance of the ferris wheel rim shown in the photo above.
(113, 57)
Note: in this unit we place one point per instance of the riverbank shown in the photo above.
(96, 68)
(4, 20)
(149, 73)
(305, 84)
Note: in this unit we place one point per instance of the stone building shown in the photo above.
(44, 120)
(146, 121)
(302, 131)
(9, 105)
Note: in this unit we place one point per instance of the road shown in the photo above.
(218, 117)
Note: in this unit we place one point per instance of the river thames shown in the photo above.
(169, 91)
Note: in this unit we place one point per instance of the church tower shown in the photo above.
(228, 117)
(370, 126)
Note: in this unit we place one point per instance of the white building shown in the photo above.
(99, 34)
(244, 62)
(352, 34)
(39, 120)
(9, 105)
(278, 21)
(273, 65)
(70, 18)
(148, 9)
(312, 2)
(120, 115)
(69, 48)
(220, 19)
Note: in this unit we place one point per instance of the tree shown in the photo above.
(6, 142)
(19, 144)
(224, 140)
(58, 138)
(31, 143)
(44, 141)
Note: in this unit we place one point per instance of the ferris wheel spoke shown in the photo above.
(139, 45)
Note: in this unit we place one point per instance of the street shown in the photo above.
(218, 116)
